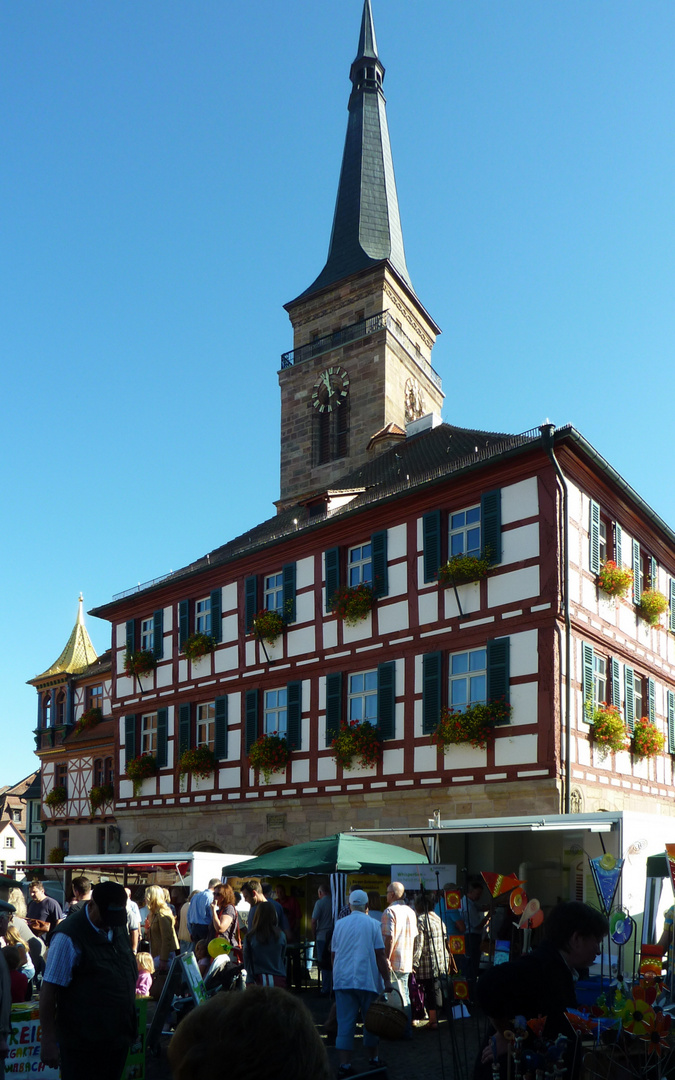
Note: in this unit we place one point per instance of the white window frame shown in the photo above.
(459, 540)
(9, 841)
(203, 615)
(205, 725)
(599, 679)
(148, 634)
(273, 592)
(149, 733)
(639, 695)
(472, 673)
(360, 565)
(275, 712)
(362, 697)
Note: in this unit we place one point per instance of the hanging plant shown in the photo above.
(198, 762)
(102, 795)
(89, 719)
(360, 740)
(648, 742)
(351, 603)
(269, 754)
(56, 798)
(138, 663)
(268, 625)
(57, 855)
(461, 569)
(614, 580)
(609, 730)
(652, 606)
(199, 645)
(139, 768)
(474, 726)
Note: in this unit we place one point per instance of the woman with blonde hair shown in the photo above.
(163, 941)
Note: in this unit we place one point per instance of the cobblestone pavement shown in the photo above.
(445, 1054)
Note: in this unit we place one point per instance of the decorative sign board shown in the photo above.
(431, 875)
(184, 971)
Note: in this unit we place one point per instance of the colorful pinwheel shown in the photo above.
(656, 1033)
(637, 1015)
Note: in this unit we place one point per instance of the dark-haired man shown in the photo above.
(87, 1001)
(81, 887)
(43, 912)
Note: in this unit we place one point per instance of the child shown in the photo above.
(18, 981)
(202, 956)
(146, 969)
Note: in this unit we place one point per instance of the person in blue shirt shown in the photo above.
(200, 916)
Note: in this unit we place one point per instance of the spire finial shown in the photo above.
(367, 39)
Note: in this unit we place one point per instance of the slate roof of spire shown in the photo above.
(366, 223)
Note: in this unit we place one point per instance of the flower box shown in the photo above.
(199, 645)
(140, 768)
(614, 580)
(269, 754)
(351, 603)
(197, 762)
(648, 742)
(461, 569)
(268, 625)
(609, 730)
(56, 798)
(89, 719)
(101, 795)
(652, 606)
(474, 726)
(141, 662)
(357, 743)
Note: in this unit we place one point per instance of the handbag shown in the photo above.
(416, 997)
(386, 1017)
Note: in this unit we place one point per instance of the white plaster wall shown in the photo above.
(300, 771)
(168, 619)
(250, 653)
(202, 783)
(575, 504)
(164, 675)
(230, 596)
(627, 619)
(514, 586)
(330, 634)
(523, 698)
(523, 653)
(516, 750)
(304, 572)
(392, 762)
(469, 598)
(125, 686)
(362, 630)
(427, 607)
(583, 752)
(322, 701)
(398, 579)
(300, 641)
(574, 586)
(201, 669)
(230, 628)
(126, 789)
(326, 767)
(392, 617)
(522, 543)
(520, 500)
(304, 607)
(426, 759)
(229, 778)
(359, 771)
(464, 757)
(121, 635)
(234, 741)
(226, 659)
(420, 536)
(165, 784)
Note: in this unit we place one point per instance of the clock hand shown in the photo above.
(326, 378)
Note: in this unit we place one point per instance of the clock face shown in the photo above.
(330, 389)
(414, 400)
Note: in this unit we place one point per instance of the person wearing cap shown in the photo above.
(6, 911)
(87, 1001)
(359, 967)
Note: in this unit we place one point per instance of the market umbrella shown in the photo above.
(342, 852)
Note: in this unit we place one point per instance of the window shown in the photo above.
(595, 685)
(203, 616)
(464, 536)
(599, 679)
(108, 775)
(9, 841)
(602, 540)
(47, 710)
(100, 842)
(468, 679)
(98, 772)
(639, 696)
(61, 776)
(363, 697)
(60, 708)
(206, 725)
(148, 634)
(64, 840)
(16, 815)
(149, 733)
(274, 592)
(600, 537)
(3, 866)
(95, 697)
(276, 712)
(35, 851)
(360, 565)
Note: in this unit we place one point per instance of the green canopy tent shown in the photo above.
(341, 853)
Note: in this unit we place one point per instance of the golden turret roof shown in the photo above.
(79, 652)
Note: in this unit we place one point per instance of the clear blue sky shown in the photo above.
(168, 179)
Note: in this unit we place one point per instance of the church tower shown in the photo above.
(361, 359)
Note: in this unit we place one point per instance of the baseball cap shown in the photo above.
(111, 900)
(358, 898)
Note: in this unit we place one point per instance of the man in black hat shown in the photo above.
(87, 1001)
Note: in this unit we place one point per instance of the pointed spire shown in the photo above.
(79, 652)
(366, 223)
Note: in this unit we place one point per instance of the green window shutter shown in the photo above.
(251, 733)
(332, 576)
(615, 682)
(131, 635)
(629, 677)
(386, 700)
(250, 602)
(158, 634)
(594, 531)
(129, 739)
(378, 542)
(637, 588)
(618, 544)
(431, 692)
(672, 604)
(162, 737)
(431, 540)
(289, 576)
(653, 573)
(587, 682)
(671, 722)
(220, 739)
(491, 525)
(498, 669)
(333, 705)
(294, 714)
(184, 718)
(216, 614)
(183, 623)
(651, 698)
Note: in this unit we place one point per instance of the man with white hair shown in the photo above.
(358, 962)
(399, 930)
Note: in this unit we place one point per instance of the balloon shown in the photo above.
(217, 947)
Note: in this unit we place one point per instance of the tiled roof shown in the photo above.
(79, 652)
